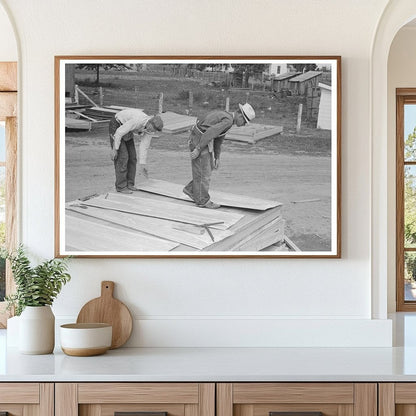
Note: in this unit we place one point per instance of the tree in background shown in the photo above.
(410, 204)
(106, 67)
(243, 72)
(304, 67)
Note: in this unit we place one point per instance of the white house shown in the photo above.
(324, 113)
(276, 69)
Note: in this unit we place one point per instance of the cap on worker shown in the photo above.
(157, 122)
(248, 112)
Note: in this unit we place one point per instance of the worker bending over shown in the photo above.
(205, 146)
(123, 151)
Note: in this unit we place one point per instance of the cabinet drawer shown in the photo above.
(303, 399)
(147, 399)
(397, 399)
(21, 399)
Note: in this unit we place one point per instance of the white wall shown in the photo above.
(401, 74)
(203, 302)
(8, 46)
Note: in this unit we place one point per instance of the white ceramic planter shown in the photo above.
(37, 330)
(13, 332)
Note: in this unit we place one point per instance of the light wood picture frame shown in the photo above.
(270, 156)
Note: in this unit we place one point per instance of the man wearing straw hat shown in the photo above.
(123, 151)
(205, 145)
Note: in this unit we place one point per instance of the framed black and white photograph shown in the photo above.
(198, 156)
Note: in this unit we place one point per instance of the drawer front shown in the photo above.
(297, 399)
(397, 399)
(128, 399)
(23, 399)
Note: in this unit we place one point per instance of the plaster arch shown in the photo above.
(396, 14)
(9, 47)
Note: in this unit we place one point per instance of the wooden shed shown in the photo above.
(324, 114)
(307, 81)
(281, 82)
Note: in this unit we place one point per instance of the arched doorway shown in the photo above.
(396, 15)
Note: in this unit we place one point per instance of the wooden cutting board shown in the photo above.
(107, 309)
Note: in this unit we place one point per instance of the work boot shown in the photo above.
(210, 205)
(133, 188)
(124, 191)
(186, 192)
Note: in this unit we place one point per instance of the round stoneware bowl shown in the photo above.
(83, 340)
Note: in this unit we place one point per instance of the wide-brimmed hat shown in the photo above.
(247, 111)
(157, 122)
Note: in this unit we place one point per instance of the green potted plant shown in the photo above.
(36, 289)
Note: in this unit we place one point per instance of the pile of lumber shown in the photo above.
(101, 113)
(141, 222)
(252, 133)
(72, 123)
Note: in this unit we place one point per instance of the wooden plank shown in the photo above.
(251, 393)
(176, 123)
(244, 233)
(8, 105)
(8, 76)
(405, 393)
(365, 399)
(177, 127)
(345, 410)
(47, 399)
(138, 393)
(207, 399)
(291, 244)
(168, 210)
(174, 190)
(66, 399)
(77, 124)
(252, 133)
(191, 410)
(271, 233)
(224, 399)
(196, 237)
(90, 236)
(386, 399)
(27, 393)
(120, 107)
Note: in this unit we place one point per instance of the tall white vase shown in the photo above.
(37, 330)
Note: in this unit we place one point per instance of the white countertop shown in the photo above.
(215, 364)
(222, 364)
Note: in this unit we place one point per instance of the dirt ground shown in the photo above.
(266, 170)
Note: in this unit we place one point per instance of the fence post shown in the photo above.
(299, 122)
(191, 101)
(136, 94)
(161, 102)
(101, 96)
(227, 103)
(247, 96)
(76, 95)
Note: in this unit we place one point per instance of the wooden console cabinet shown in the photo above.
(208, 399)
